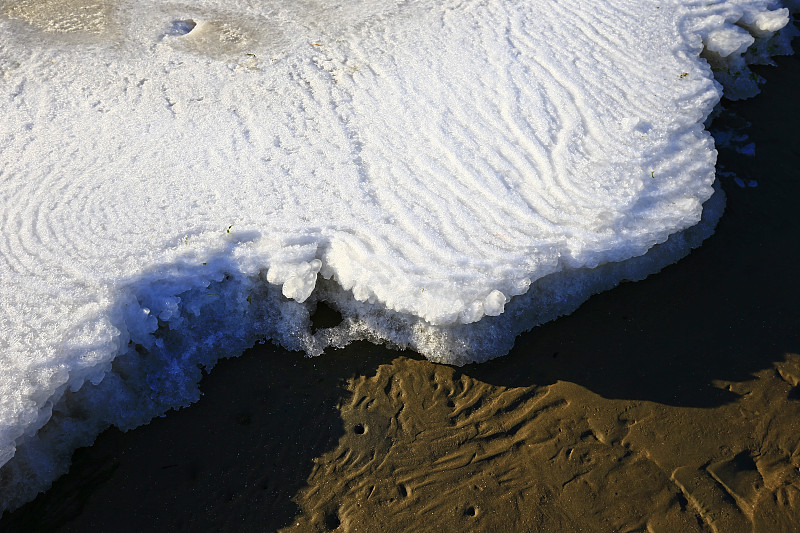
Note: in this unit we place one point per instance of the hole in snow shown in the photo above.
(182, 27)
(325, 317)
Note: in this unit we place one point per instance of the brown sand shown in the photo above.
(428, 448)
(671, 404)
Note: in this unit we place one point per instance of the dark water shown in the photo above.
(234, 460)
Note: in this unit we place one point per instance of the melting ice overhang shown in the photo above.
(177, 177)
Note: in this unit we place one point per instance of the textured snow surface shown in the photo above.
(175, 178)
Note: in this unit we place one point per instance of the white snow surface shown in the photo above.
(175, 178)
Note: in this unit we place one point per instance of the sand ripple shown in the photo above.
(427, 448)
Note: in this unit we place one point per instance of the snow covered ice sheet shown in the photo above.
(180, 180)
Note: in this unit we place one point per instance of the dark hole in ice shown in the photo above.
(359, 429)
(182, 27)
(332, 520)
(471, 511)
(325, 317)
(402, 490)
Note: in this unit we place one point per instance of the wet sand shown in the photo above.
(671, 404)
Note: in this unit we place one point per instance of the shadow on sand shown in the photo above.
(231, 462)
